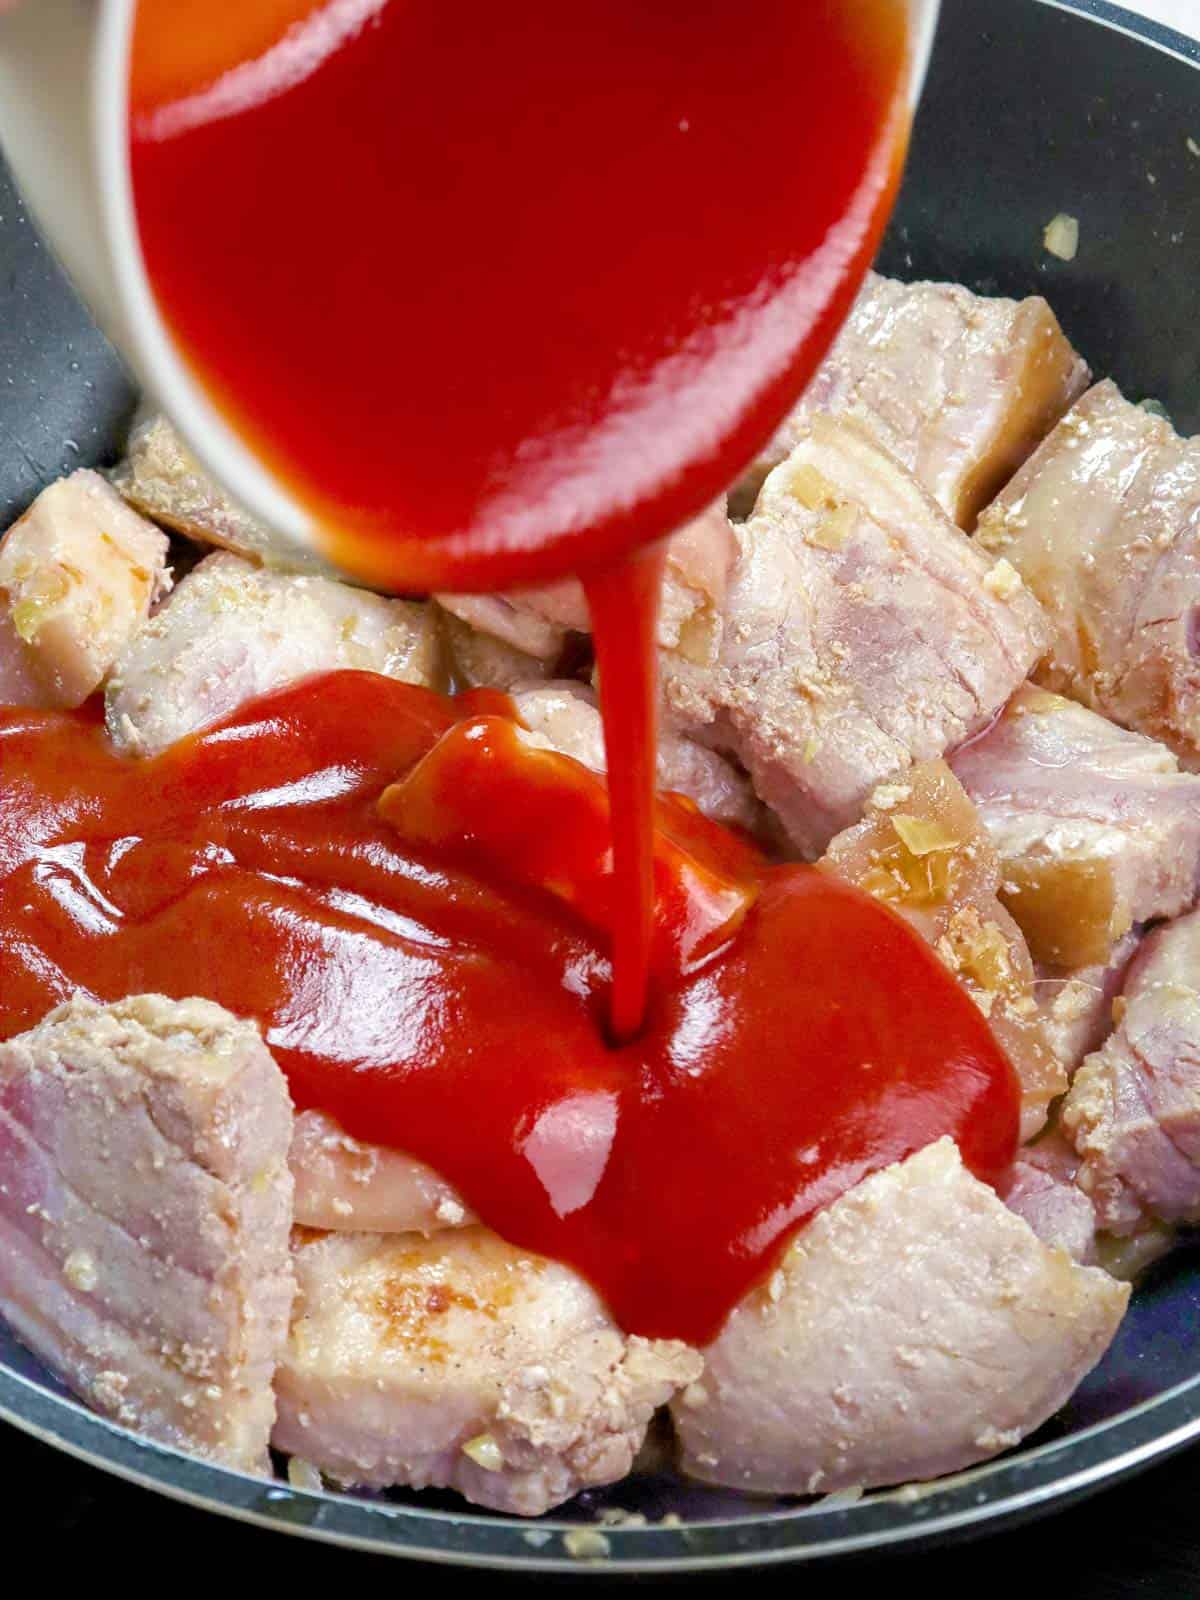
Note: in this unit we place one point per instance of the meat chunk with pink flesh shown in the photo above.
(343, 1184)
(862, 633)
(79, 573)
(913, 1328)
(1096, 828)
(145, 1209)
(1041, 1187)
(565, 716)
(1103, 523)
(959, 387)
(1076, 1004)
(1133, 1111)
(160, 477)
(923, 851)
(535, 622)
(232, 631)
(460, 1362)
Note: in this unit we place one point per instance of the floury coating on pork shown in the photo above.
(1096, 828)
(566, 717)
(1133, 1112)
(345, 1185)
(922, 849)
(460, 1362)
(862, 633)
(1103, 523)
(160, 477)
(232, 631)
(913, 1328)
(535, 622)
(958, 387)
(145, 1207)
(78, 575)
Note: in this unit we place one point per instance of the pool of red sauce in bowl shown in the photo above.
(415, 907)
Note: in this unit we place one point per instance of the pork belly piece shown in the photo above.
(1133, 1111)
(476, 660)
(160, 477)
(862, 633)
(344, 1185)
(566, 718)
(1076, 1004)
(1041, 1187)
(78, 575)
(232, 631)
(913, 1328)
(958, 387)
(535, 622)
(1103, 523)
(922, 849)
(460, 1362)
(145, 1209)
(1096, 828)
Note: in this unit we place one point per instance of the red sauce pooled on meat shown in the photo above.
(416, 906)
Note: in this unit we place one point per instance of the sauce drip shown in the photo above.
(623, 604)
(417, 907)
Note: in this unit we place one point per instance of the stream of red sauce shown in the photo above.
(416, 907)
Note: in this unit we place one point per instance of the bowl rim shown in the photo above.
(998, 1492)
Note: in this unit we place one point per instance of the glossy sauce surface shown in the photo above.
(502, 291)
(417, 907)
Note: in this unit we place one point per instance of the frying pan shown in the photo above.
(1033, 107)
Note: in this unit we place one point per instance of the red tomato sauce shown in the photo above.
(503, 290)
(417, 909)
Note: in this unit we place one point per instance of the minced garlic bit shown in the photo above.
(1003, 580)
(889, 795)
(833, 530)
(585, 1544)
(922, 835)
(813, 490)
(484, 1452)
(618, 1517)
(848, 1496)
(1061, 237)
(450, 1212)
(304, 1475)
(79, 1269)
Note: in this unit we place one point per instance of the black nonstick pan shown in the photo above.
(1032, 108)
